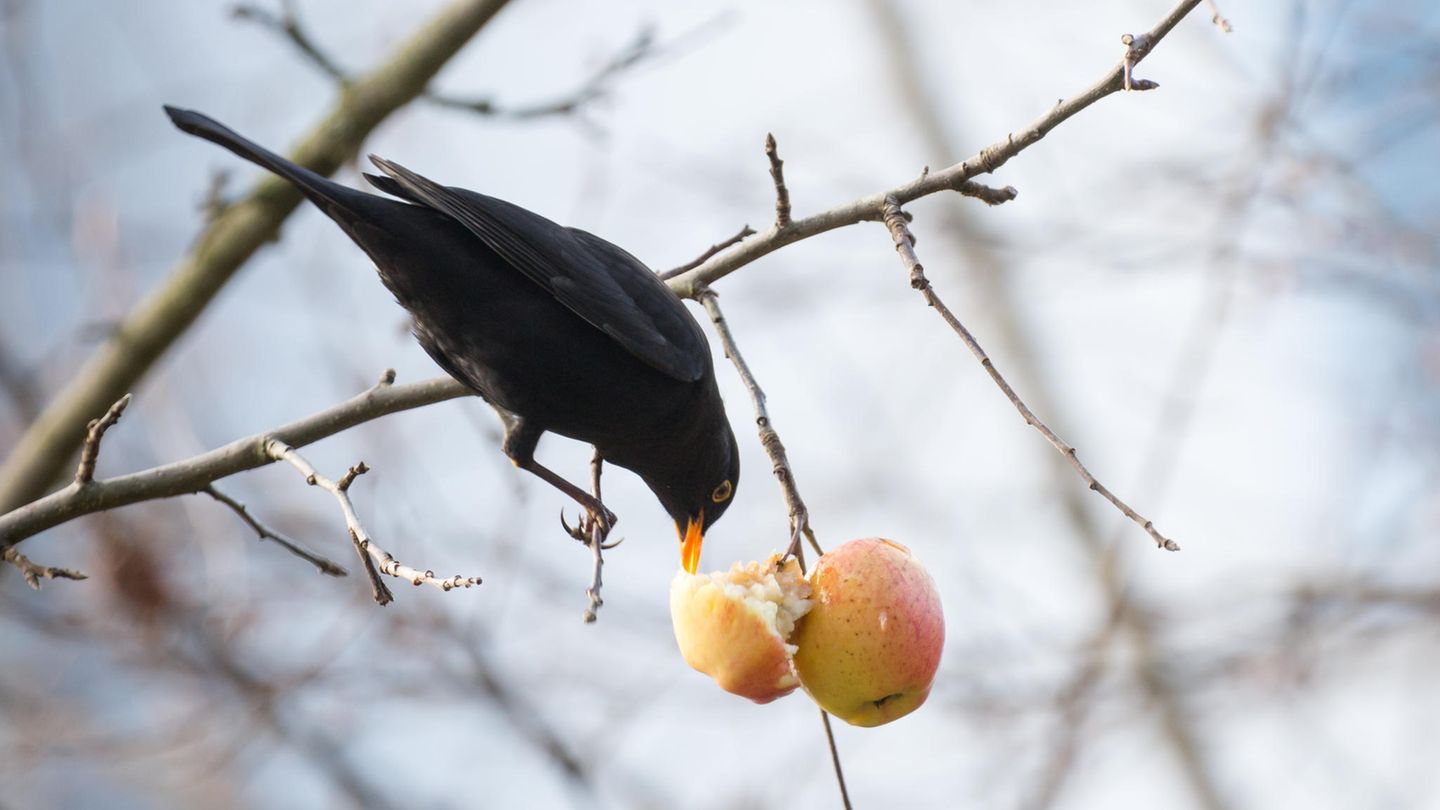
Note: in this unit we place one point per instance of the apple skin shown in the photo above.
(729, 640)
(870, 645)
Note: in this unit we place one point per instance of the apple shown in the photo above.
(868, 648)
(734, 625)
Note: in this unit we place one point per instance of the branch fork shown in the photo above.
(375, 559)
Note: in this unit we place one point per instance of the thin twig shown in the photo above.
(835, 760)
(95, 432)
(597, 542)
(33, 572)
(287, 24)
(958, 177)
(710, 251)
(780, 465)
(371, 554)
(325, 565)
(643, 47)
(905, 246)
(777, 174)
(769, 439)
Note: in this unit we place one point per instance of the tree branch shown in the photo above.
(33, 572)
(375, 559)
(325, 565)
(905, 246)
(195, 474)
(777, 174)
(222, 247)
(954, 178)
(95, 432)
(769, 439)
(643, 48)
(780, 465)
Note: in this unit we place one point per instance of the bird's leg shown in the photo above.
(520, 442)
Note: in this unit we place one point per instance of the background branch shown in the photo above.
(222, 247)
(325, 565)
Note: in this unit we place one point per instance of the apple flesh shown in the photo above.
(869, 647)
(734, 625)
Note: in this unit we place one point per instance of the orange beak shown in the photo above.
(690, 544)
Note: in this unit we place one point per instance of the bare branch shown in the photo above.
(372, 556)
(642, 48)
(287, 24)
(193, 475)
(769, 439)
(780, 465)
(95, 432)
(777, 174)
(954, 178)
(710, 251)
(905, 246)
(835, 760)
(325, 565)
(33, 572)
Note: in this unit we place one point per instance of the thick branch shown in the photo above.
(194, 475)
(955, 178)
(224, 245)
(905, 246)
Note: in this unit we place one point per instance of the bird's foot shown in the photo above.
(594, 525)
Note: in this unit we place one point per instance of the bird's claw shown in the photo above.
(590, 525)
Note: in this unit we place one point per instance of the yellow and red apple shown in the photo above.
(869, 646)
(863, 634)
(733, 625)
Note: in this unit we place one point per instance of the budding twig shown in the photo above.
(33, 572)
(375, 559)
(90, 451)
(777, 174)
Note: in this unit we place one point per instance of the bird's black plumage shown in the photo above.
(557, 328)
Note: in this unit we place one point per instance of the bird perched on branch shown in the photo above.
(558, 329)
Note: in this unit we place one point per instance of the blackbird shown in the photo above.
(558, 329)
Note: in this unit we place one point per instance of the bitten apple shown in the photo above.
(869, 647)
(734, 625)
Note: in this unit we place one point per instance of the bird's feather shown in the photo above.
(606, 286)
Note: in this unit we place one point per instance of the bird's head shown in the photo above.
(698, 497)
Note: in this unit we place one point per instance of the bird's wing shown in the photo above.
(596, 280)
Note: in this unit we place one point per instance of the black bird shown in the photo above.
(558, 329)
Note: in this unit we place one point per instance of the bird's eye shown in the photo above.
(722, 492)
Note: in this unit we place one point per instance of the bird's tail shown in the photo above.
(321, 190)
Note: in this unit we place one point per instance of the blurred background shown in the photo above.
(1225, 293)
